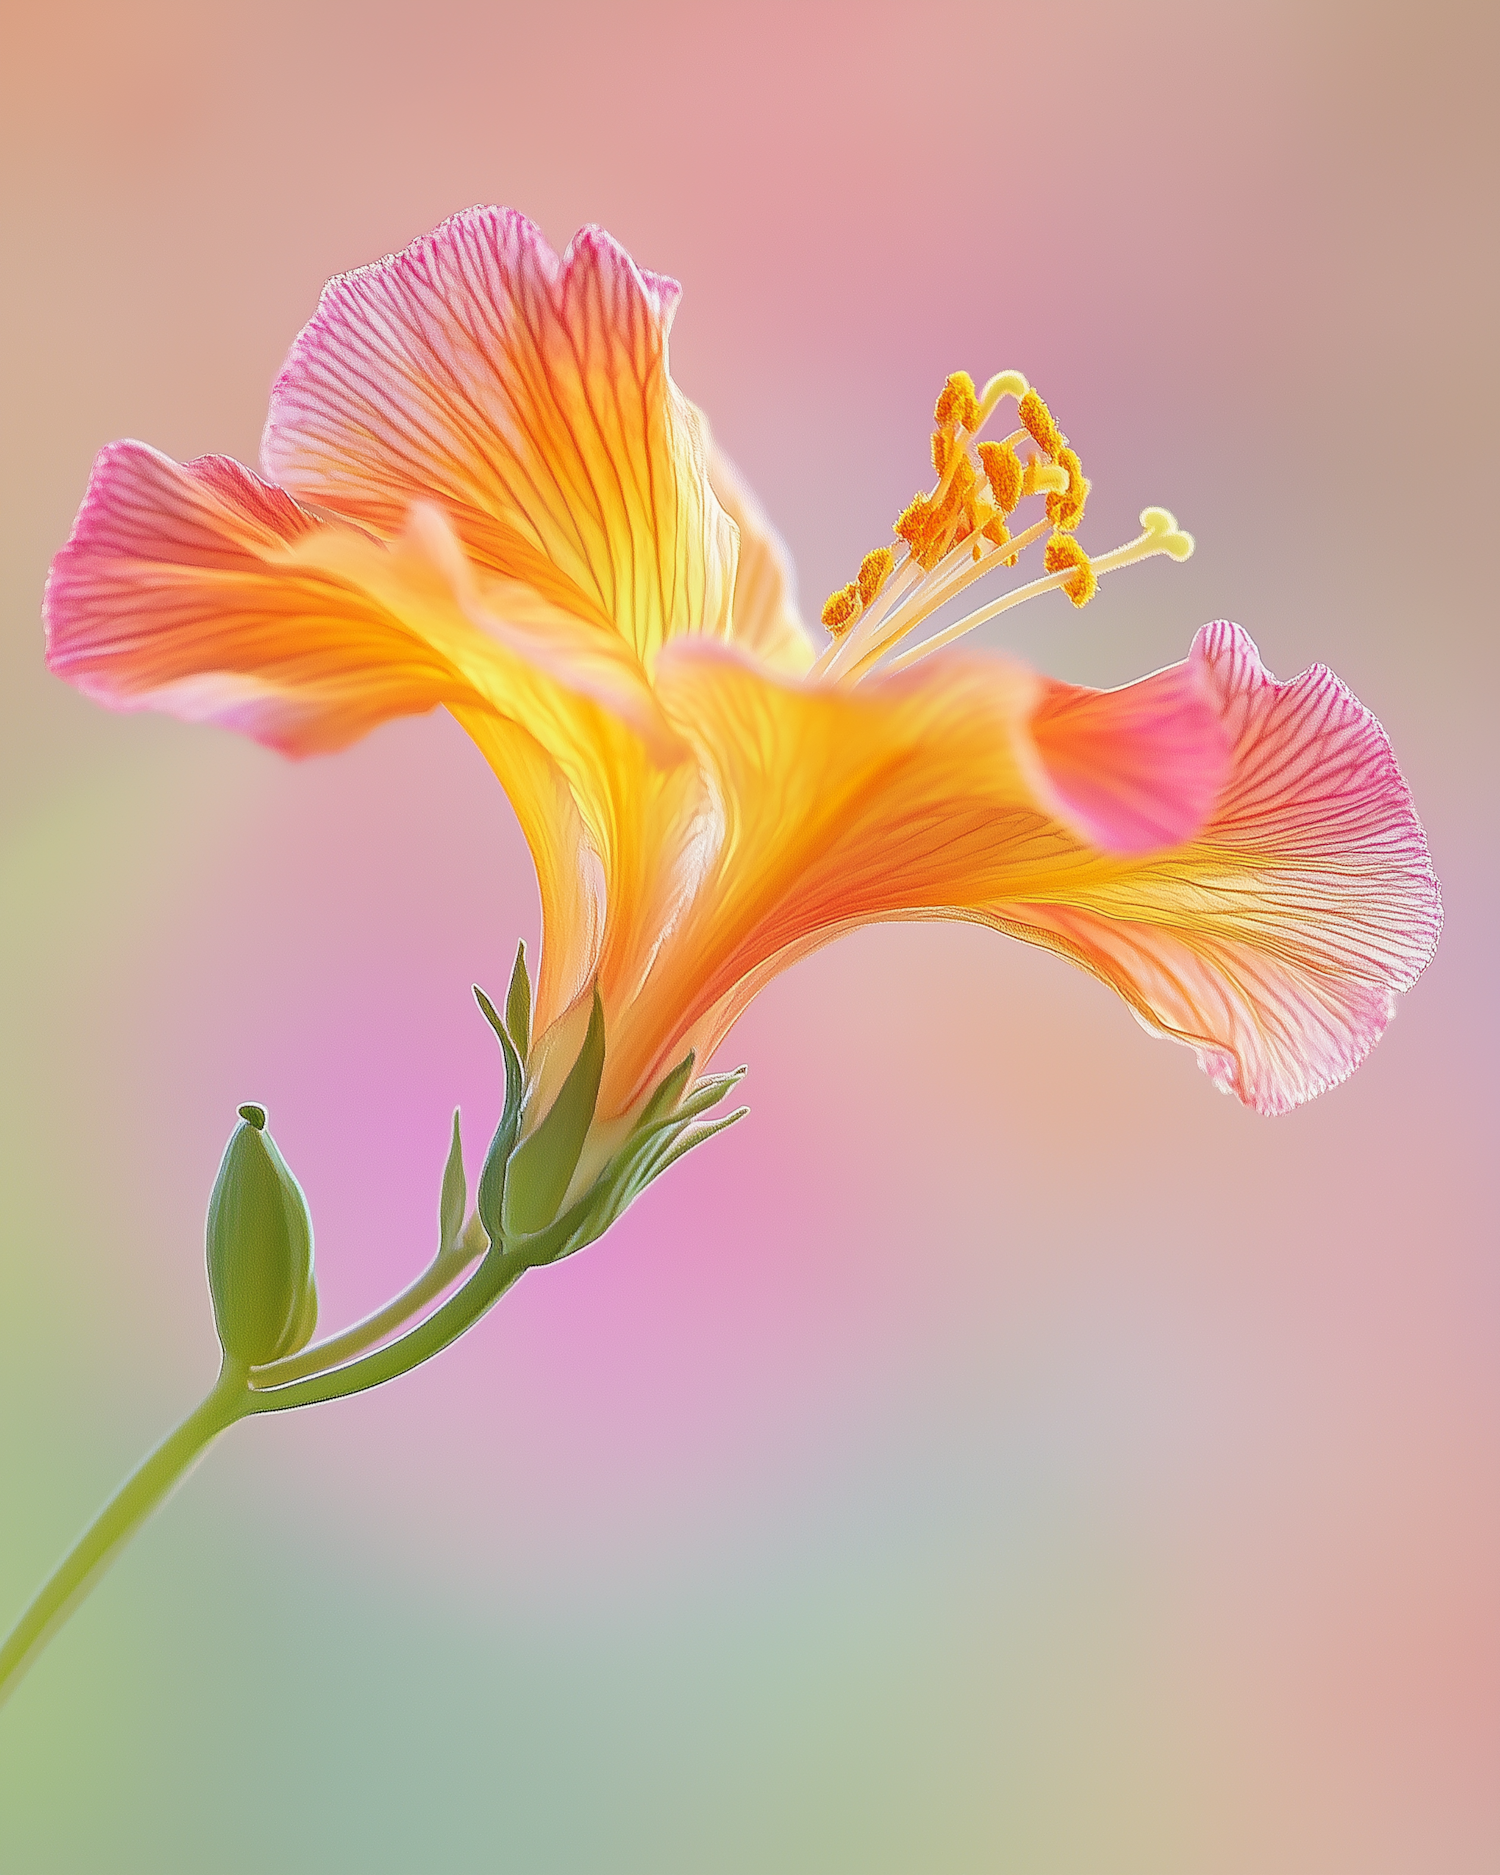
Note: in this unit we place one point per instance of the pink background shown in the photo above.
(1001, 1451)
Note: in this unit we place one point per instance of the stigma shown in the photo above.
(971, 523)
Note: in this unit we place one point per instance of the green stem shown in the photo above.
(235, 1397)
(479, 1294)
(106, 1536)
(444, 1268)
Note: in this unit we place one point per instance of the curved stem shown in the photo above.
(232, 1397)
(106, 1536)
(479, 1294)
(444, 1268)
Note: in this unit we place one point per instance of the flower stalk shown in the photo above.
(259, 1258)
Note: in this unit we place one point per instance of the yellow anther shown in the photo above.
(841, 609)
(1065, 508)
(874, 571)
(911, 523)
(1038, 419)
(957, 403)
(1063, 552)
(997, 533)
(917, 524)
(941, 448)
(1042, 478)
(1002, 468)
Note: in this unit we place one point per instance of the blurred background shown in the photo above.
(1001, 1452)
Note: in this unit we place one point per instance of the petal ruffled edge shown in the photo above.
(173, 593)
(529, 396)
(1276, 942)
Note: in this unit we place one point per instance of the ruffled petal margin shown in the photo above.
(529, 397)
(172, 593)
(1274, 943)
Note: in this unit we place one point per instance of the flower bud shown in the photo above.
(260, 1249)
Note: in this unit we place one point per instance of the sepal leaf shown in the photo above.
(542, 1166)
(454, 1202)
(668, 1088)
(489, 1198)
(654, 1144)
(518, 1004)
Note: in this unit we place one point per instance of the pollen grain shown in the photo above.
(1065, 507)
(1063, 552)
(840, 609)
(1002, 468)
(1034, 413)
(874, 571)
(957, 403)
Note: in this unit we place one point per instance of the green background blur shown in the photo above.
(1001, 1452)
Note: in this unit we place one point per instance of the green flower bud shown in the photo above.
(260, 1249)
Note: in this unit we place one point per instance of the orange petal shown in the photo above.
(766, 622)
(527, 396)
(201, 591)
(919, 794)
(1276, 941)
(172, 594)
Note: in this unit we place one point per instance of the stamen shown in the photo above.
(1002, 468)
(1003, 384)
(1004, 603)
(957, 404)
(997, 533)
(957, 533)
(841, 609)
(874, 571)
(1038, 419)
(1040, 478)
(1160, 534)
(912, 523)
(1065, 509)
(864, 647)
(1064, 552)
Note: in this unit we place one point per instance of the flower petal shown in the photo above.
(766, 622)
(530, 398)
(1275, 942)
(172, 594)
(202, 591)
(584, 703)
(918, 794)
(1134, 768)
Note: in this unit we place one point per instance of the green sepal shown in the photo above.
(708, 1093)
(668, 1088)
(454, 1202)
(652, 1147)
(259, 1249)
(490, 1196)
(518, 1004)
(695, 1136)
(542, 1166)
